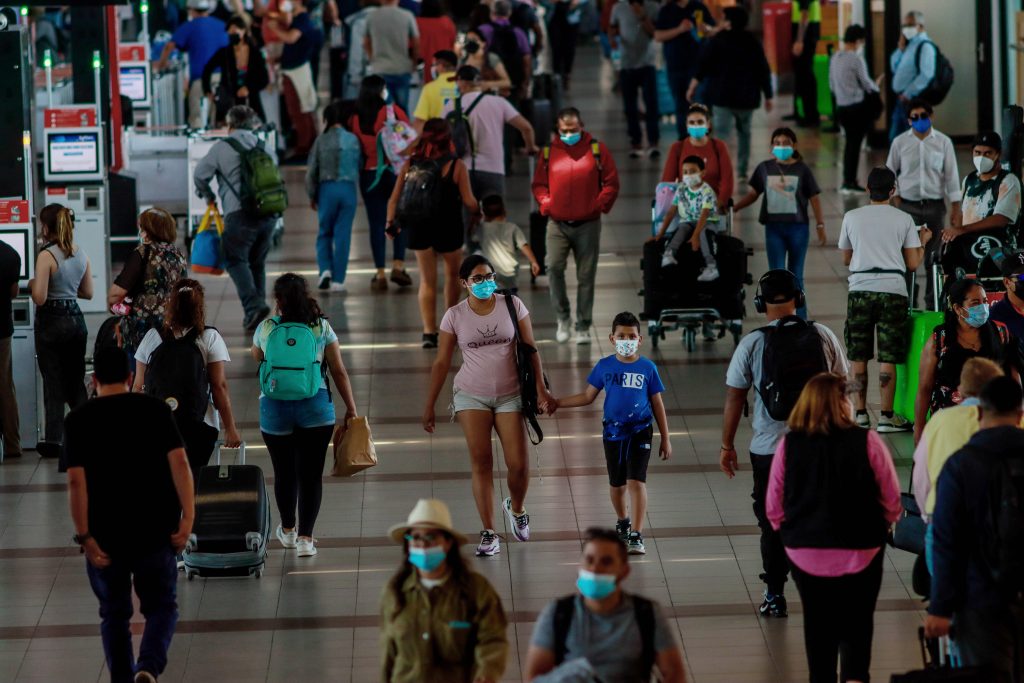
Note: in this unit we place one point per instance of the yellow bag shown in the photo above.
(354, 451)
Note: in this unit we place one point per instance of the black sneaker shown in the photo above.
(622, 528)
(635, 545)
(429, 341)
(773, 606)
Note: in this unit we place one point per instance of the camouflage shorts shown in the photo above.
(888, 312)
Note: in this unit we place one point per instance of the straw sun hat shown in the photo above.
(429, 512)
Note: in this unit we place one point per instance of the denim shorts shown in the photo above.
(284, 417)
(509, 403)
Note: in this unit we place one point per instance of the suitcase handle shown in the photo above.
(220, 445)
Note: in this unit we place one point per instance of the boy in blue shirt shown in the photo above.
(632, 400)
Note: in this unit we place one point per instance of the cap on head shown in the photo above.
(467, 73)
(1012, 264)
(989, 138)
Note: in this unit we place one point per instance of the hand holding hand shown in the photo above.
(728, 462)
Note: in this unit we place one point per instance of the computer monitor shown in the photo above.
(133, 82)
(18, 239)
(73, 155)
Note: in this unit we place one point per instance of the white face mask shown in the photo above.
(626, 347)
(983, 164)
(385, 95)
(692, 179)
(910, 32)
(287, 7)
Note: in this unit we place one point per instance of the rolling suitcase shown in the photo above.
(232, 525)
(937, 666)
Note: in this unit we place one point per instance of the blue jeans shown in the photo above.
(336, 202)
(898, 124)
(786, 244)
(398, 87)
(155, 577)
(376, 201)
(633, 81)
(246, 243)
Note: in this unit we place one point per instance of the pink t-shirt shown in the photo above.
(488, 347)
(836, 561)
(487, 120)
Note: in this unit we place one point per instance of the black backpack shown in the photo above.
(942, 81)
(643, 609)
(793, 353)
(421, 194)
(176, 374)
(505, 45)
(1002, 536)
(462, 129)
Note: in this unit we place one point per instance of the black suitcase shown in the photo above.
(232, 524)
(677, 286)
(937, 670)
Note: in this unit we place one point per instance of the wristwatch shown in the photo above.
(80, 539)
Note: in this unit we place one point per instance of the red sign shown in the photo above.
(69, 117)
(131, 52)
(14, 211)
(56, 191)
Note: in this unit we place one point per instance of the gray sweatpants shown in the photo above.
(683, 234)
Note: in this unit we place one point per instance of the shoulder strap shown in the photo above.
(644, 612)
(564, 609)
(512, 313)
(475, 102)
(595, 149)
(917, 55)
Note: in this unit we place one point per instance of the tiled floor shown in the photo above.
(314, 620)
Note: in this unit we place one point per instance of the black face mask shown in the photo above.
(234, 39)
(472, 47)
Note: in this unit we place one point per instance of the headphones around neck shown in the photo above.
(761, 306)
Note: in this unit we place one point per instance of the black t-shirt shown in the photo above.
(10, 270)
(122, 442)
(681, 52)
(301, 51)
(130, 277)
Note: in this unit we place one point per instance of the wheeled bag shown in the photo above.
(232, 524)
(677, 287)
(937, 667)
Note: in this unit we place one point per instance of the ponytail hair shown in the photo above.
(186, 307)
(59, 225)
(291, 292)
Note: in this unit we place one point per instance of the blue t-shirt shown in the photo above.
(628, 388)
(1004, 312)
(303, 49)
(200, 38)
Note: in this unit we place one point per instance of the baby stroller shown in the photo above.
(675, 300)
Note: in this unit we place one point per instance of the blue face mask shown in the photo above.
(922, 124)
(977, 315)
(570, 138)
(483, 290)
(697, 131)
(426, 559)
(595, 586)
(782, 153)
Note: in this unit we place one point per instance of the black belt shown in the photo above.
(922, 201)
(575, 224)
(60, 305)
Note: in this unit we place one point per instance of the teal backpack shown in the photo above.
(291, 368)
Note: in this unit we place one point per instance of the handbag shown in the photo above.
(527, 380)
(873, 105)
(354, 450)
(206, 254)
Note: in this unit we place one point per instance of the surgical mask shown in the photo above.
(570, 138)
(692, 179)
(483, 290)
(426, 559)
(234, 38)
(626, 347)
(983, 164)
(287, 7)
(433, 73)
(697, 131)
(472, 47)
(977, 315)
(922, 124)
(782, 152)
(595, 586)
(910, 32)
(385, 95)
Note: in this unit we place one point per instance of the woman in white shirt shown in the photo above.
(198, 418)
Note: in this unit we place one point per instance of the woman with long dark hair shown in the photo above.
(366, 123)
(63, 276)
(297, 432)
(243, 72)
(435, 594)
(186, 319)
(833, 493)
(473, 51)
(487, 395)
(440, 232)
(699, 142)
(966, 332)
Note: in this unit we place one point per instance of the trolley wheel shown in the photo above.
(258, 573)
(689, 339)
(190, 575)
(655, 338)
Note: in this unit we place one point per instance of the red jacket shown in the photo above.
(568, 186)
(717, 165)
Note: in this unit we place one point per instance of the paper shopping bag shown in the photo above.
(355, 451)
(206, 254)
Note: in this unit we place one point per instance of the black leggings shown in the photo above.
(199, 439)
(298, 474)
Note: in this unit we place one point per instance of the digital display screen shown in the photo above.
(133, 83)
(73, 153)
(18, 240)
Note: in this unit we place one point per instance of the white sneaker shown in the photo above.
(669, 259)
(710, 274)
(305, 547)
(563, 332)
(582, 337)
(489, 544)
(287, 538)
(144, 677)
(338, 287)
(863, 421)
(325, 280)
(520, 522)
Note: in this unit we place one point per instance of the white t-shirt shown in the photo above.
(500, 242)
(878, 234)
(487, 122)
(210, 344)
